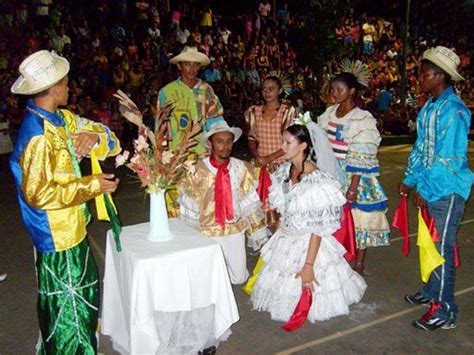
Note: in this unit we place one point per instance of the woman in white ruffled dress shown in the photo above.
(303, 252)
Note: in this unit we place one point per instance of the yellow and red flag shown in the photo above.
(430, 259)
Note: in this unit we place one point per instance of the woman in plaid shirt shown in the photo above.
(266, 123)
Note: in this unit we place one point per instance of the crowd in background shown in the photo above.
(127, 45)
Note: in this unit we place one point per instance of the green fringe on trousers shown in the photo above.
(68, 301)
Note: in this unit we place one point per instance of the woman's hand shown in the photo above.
(307, 277)
(351, 195)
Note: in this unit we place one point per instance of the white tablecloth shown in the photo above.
(171, 297)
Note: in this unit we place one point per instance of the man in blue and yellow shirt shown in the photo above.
(52, 194)
(439, 170)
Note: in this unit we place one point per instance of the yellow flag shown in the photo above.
(99, 200)
(248, 287)
(429, 256)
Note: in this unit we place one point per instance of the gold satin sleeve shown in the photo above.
(194, 185)
(49, 181)
(256, 222)
(248, 180)
(80, 124)
(250, 117)
(288, 119)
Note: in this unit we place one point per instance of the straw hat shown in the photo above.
(445, 59)
(221, 126)
(191, 54)
(40, 71)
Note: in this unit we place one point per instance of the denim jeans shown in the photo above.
(448, 213)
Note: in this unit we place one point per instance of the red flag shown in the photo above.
(400, 221)
(430, 222)
(346, 234)
(264, 182)
(300, 314)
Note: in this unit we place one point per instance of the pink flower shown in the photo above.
(122, 158)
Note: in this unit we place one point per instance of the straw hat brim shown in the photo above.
(22, 86)
(236, 131)
(436, 60)
(197, 57)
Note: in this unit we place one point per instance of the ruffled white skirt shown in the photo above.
(278, 291)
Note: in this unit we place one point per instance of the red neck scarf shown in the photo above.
(222, 193)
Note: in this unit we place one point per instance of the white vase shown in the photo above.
(159, 223)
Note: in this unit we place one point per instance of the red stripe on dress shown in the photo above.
(336, 142)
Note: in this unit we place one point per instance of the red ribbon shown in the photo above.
(346, 234)
(264, 182)
(301, 311)
(400, 221)
(222, 193)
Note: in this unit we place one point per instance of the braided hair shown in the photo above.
(302, 135)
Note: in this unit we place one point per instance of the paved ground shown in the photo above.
(379, 324)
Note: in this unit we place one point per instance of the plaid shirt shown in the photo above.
(268, 133)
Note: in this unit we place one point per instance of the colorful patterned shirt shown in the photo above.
(199, 103)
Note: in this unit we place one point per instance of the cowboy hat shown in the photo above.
(40, 71)
(191, 54)
(445, 59)
(221, 126)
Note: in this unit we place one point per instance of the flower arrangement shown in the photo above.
(157, 166)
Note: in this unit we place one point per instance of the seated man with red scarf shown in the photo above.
(220, 199)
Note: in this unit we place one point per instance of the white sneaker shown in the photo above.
(3, 277)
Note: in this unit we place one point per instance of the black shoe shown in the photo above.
(209, 351)
(417, 299)
(433, 323)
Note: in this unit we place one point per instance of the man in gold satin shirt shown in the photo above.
(52, 194)
(220, 199)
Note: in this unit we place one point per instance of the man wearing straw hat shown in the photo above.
(438, 168)
(52, 195)
(220, 199)
(192, 99)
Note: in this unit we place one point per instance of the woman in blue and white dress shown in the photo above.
(303, 252)
(354, 137)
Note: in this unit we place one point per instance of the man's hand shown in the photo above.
(83, 142)
(403, 189)
(260, 161)
(419, 201)
(107, 182)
